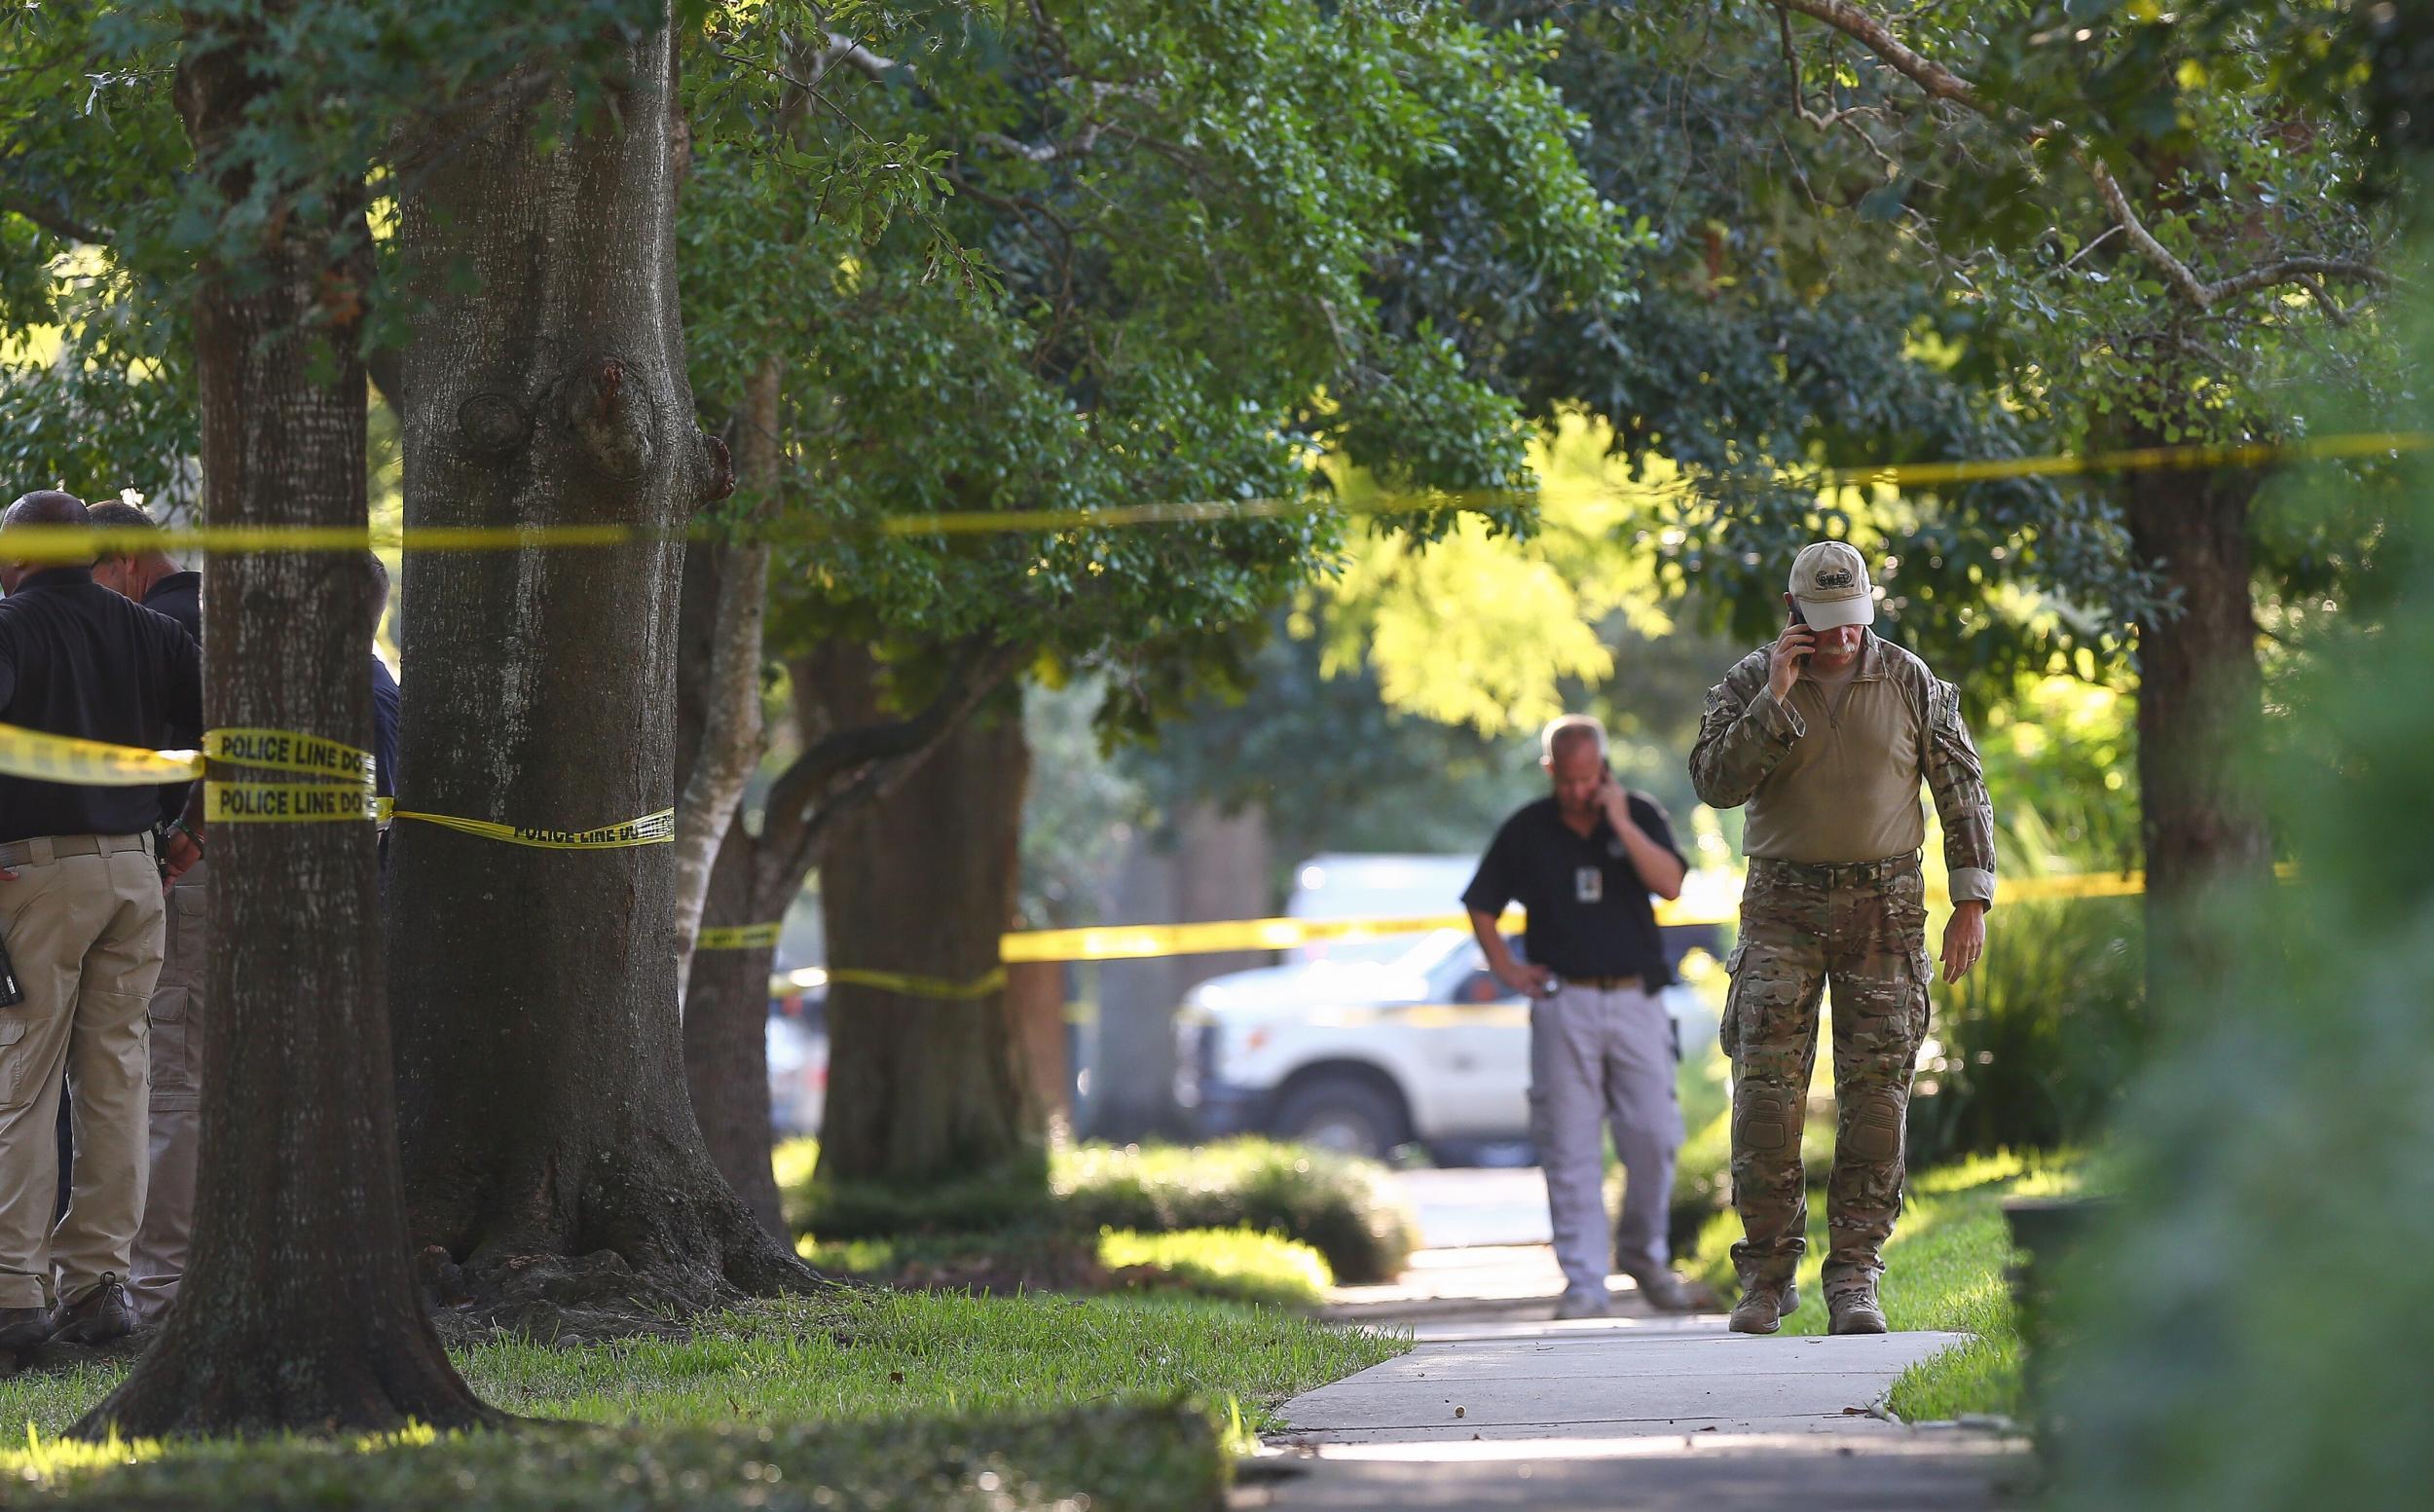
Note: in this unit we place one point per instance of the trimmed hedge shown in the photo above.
(1337, 1205)
(1230, 1265)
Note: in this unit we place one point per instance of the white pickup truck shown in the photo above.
(1364, 1055)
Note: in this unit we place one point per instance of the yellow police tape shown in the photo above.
(1707, 904)
(346, 797)
(64, 758)
(290, 751)
(284, 802)
(739, 936)
(91, 764)
(71, 543)
(979, 986)
(657, 828)
(1143, 942)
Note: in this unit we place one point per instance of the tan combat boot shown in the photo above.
(1854, 1312)
(1763, 1308)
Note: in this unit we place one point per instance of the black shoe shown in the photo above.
(22, 1328)
(102, 1313)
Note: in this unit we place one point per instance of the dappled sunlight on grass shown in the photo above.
(1944, 1269)
(1236, 1265)
(968, 1379)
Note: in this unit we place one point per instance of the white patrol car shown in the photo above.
(1365, 1056)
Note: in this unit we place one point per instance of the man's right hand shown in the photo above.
(183, 851)
(1527, 978)
(1783, 667)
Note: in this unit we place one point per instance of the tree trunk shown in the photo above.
(854, 754)
(539, 1033)
(922, 882)
(726, 1046)
(1035, 1005)
(731, 739)
(726, 996)
(2200, 695)
(298, 1311)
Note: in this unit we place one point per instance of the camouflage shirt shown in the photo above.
(1833, 777)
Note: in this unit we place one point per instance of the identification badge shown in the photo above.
(1589, 884)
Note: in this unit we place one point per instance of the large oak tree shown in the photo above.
(546, 384)
(1164, 300)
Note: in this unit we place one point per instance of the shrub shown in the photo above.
(2034, 1048)
(1233, 1265)
(1232, 1262)
(2243, 1338)
(1337, 1205)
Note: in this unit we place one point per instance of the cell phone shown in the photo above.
(11, 991)
(1796, 618)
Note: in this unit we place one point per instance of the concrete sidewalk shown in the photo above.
(1638, 1411)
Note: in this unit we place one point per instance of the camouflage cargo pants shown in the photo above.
(1863, 930)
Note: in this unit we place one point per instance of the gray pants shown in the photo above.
(1598, 1055)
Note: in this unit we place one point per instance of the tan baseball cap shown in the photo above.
(1830, 582)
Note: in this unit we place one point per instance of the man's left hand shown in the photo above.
(1965, 939)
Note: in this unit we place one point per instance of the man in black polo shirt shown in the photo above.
(80, 904)
(1583, 861)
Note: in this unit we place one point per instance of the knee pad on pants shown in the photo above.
(1766, 1119)
(1872, 1126)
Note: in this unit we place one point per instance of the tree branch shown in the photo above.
(1938, 81)
(1942, 84)
(52, 219)
(847, 767)
(388, 369)
(1043, 152)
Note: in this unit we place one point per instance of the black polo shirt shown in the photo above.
(384, 730)
(179, 596)
(77, 660)
(1590, 915)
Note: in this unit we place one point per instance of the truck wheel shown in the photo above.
(1341, 1113)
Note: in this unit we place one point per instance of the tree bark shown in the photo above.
(731, 739)
(539, 1030)
(298, 1311)
(726, 1046)
(726, 1000)
(854, 754)
(2201, 694)
(922, 882)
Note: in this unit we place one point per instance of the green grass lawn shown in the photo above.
(1944, 1270)
(883, 1400)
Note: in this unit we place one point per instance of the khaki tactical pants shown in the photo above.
(179, 1005)
(83, 924)
(1863, 930)
(1598, 1055)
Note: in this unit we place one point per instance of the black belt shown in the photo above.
(1850, 873)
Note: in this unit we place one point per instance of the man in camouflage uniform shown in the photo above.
(1826, 735)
